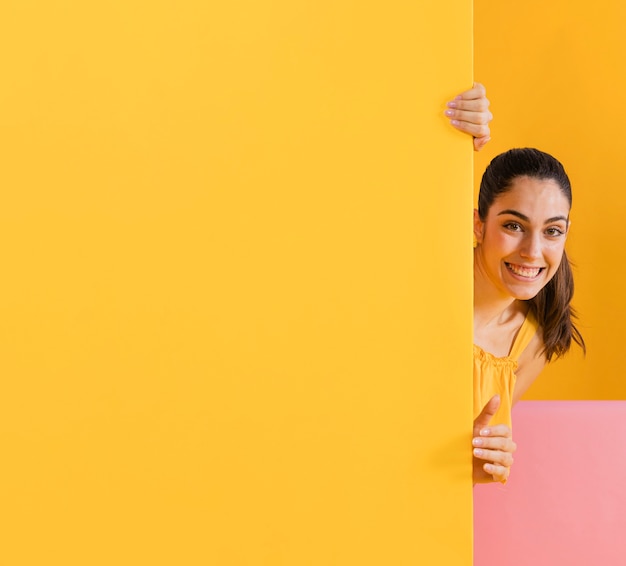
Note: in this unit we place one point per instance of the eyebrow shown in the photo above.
(526, 219)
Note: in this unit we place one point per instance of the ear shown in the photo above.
(479, 227)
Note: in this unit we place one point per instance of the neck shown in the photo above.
(489, 308)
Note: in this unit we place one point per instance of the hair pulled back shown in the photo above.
(551, 306)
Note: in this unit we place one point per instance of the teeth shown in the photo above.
(529, 272)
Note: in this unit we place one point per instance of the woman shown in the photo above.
(523, 286)
(523, 283)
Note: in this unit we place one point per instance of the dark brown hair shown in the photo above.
(551, 306)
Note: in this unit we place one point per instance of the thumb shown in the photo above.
(479, 143)
(489, 410)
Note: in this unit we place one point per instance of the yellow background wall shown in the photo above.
(236, 293)
(554, 74)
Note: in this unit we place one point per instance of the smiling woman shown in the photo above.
(524, 248)
(523, 287)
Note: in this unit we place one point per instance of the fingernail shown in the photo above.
(478, 452)
(449, 112)
(458, 97)
(485, 432)
(477, 442)
(452, 104)
(454, 122)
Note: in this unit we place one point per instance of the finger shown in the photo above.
(474, 105)
(499, 473)
(503, 444)
(482, 118)
(477, 91)
(489, 410)
(494, 445)
(481, 142)
(476, 130)
(494, 456)
(498, 430)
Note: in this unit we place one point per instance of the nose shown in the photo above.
(531, 247)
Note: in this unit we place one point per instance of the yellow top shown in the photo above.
(494, 375)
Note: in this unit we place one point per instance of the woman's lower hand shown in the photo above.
(493, 446)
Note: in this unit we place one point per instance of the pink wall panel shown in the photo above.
(565, 502)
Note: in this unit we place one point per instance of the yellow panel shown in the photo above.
(236, 303)
(553, 73)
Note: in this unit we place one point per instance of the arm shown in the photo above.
(469, 113)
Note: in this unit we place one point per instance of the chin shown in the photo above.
(526, 294)
(525, 291)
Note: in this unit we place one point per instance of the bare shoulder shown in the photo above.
(530, 364)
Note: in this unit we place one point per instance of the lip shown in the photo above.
(518, 271)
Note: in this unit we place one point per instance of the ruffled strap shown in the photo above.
(524, 336)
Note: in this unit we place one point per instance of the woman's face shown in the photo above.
(521, 242)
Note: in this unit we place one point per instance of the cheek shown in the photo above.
(556, 253)
(499, 243)
(555, 257)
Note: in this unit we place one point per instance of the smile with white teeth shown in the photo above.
(520, 270)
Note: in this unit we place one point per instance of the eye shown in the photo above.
(555, 231)
(513, 226)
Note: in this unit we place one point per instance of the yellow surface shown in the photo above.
(236, 301)
(554, 74)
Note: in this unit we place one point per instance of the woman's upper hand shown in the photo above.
(493, 446)
(469, 112)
